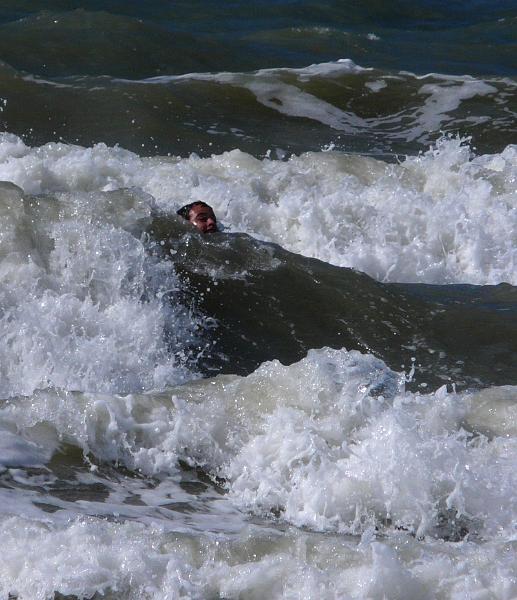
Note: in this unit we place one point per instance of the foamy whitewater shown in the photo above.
(392, 480)
(127, 475)
(316, 402)
(446, 216)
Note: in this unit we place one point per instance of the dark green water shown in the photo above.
(269, 303)
(62, 62)
(148, 449)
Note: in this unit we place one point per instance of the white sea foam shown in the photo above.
(270, 89)
(442, 217)
(376, 86)
(368, 481)
(427, 108)
(129, 561)
(333, 443)
(16, 451)
(327, 69)
(443, 99)
(290, 100)
(73, 280)
(283, 90)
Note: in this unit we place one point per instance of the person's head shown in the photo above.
(200, 215)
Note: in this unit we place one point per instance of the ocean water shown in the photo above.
(320, 400)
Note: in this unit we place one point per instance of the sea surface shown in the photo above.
(317, 402)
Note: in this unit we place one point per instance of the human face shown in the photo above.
(203, 218)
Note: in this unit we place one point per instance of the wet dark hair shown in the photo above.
(184, 211)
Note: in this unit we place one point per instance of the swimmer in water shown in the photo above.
(200, 215)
